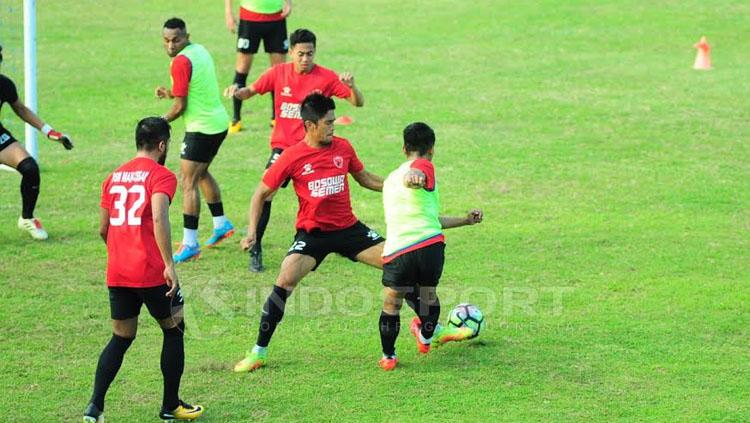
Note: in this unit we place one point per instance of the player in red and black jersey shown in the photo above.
(14, 155)
(318, 168)
(134, 223)
(290, 83)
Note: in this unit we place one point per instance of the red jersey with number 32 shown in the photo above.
(289, 89)
(320, 181)
(133, 258)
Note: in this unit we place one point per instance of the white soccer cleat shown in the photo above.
(34, 227)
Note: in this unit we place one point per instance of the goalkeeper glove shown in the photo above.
(57, 136)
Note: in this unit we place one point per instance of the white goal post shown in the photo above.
(29, 79)
(29, 72)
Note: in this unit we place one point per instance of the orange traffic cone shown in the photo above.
(703, 58)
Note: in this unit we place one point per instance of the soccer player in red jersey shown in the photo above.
(291, 83)
(318, 168)
(134, 223)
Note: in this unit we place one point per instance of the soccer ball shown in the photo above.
(467, 315)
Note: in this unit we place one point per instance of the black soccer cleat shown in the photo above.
(256, 261)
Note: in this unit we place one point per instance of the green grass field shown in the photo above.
(612, 265)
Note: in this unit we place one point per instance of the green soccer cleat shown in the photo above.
(253, 360)
(445, 334)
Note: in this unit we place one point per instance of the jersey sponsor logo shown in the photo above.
(307, 169)
(286, 92)
(326, 186)
(138, 176)
(290, 111)
(338, 161)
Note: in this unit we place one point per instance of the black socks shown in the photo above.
(30, 180)
(110, 361)
(172, 364)
(390, 325)
(273, 312)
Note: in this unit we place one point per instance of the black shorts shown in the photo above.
(273, 35)
(6, 138)
(347, 242)
(422, 267)
(200, 147)
(275, 153)
(125, 303)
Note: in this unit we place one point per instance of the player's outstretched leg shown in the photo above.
(294, 267)
(273, 312)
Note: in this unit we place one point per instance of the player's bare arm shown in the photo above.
(163, 235)
(473, 217)
(28, 116)
(239, 93)
(229, 19)
(103, 223)
(178, 108)
(369, 180)
(356, 99)
(415, 179)
(262, 193)
(287, 9)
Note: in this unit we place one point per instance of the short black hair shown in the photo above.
(301, 35)
(150, 132)
(175, 23)
(419, 137)
(315, 106)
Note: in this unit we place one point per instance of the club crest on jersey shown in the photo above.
(286, 92)
(338, 161)
(307, 169)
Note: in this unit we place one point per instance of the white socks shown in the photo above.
(219, 221)
(190, 237)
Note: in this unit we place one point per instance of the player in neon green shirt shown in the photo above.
(413, 254)
(195, 91)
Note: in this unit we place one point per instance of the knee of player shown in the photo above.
(126, 334)
(174, 329)
(188, 182)
(28, 167)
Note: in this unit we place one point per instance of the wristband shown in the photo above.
(46, 129)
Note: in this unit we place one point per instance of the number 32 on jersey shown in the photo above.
(128, 212)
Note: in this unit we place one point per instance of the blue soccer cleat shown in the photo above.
(220, 234)
(187, 253)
